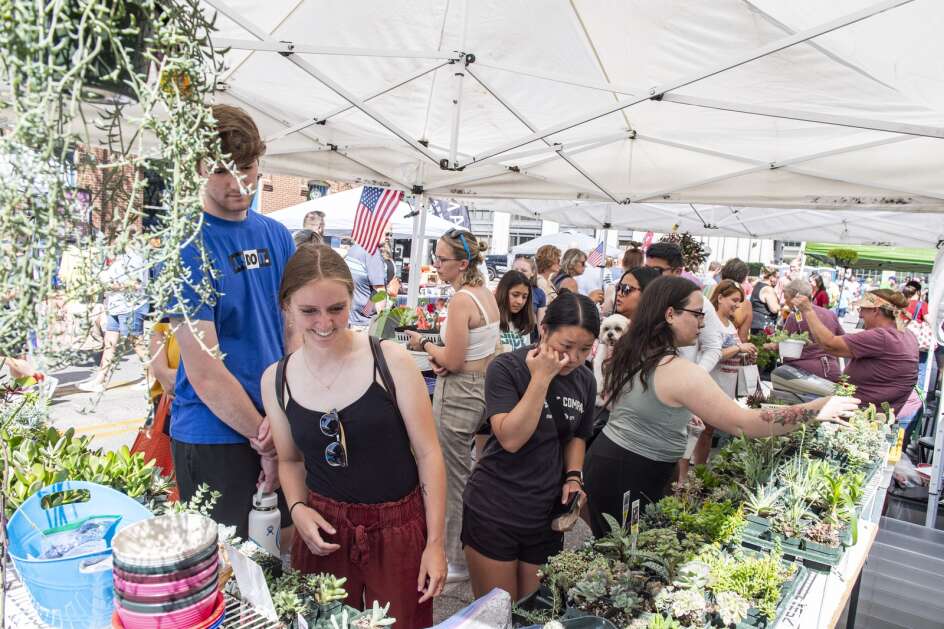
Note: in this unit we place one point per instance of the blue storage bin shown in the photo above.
(70, 592)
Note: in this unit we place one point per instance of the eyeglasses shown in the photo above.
(441, 259)
(699, 314)
(336, 451)
(626, 289)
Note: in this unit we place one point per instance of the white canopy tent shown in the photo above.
(761, 103)
(563, 241)
(828, 107)
(340, 209)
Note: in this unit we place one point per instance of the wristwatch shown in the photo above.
(576, 474)
(423, 344)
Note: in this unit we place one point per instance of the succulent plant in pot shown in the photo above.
(760, 504)
(732, 608)
(792, 521)
(823, 537)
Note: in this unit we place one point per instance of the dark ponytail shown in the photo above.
(649, 338)
(572, 309)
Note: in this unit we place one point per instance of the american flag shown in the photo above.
(374, 210)
(597, 257)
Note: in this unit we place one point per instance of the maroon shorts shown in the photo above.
(381, 549)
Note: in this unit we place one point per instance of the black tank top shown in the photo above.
(380, 468)
(763, 317)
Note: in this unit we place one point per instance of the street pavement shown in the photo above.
(111, 418)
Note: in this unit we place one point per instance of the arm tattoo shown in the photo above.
(788, 415)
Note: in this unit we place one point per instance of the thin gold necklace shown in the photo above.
(337, 375)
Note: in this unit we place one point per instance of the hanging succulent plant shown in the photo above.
(103, 90)
(694, 252)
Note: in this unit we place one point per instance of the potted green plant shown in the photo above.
(790, 523)
(823, 537)
(790, 345)
(760, 505)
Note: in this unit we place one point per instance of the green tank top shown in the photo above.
(642, 424)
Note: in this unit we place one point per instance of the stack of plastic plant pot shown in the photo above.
(166, 574)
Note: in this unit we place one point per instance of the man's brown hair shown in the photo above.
(239, 136)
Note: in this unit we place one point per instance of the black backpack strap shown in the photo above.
(280, 382)
(380, 363)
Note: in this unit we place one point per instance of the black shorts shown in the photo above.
(503, 543)
(231, 469)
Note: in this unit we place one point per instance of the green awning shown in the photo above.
(879, 257)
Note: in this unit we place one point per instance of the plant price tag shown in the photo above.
(252, 583)
(301, 622)
(626, 497)
(634, 524)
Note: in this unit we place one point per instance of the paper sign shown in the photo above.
(626, 497)
(301, 622)
(634, 524)
(252, 583)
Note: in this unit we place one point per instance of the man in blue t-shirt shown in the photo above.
(219, 433)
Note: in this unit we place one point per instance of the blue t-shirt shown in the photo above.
(367, 271)
(538, 298)
(248, 258)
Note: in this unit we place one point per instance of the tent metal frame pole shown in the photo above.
(659, 91)
(320, 146)
(793, 114)
(523, 120)
(815, 45)
(553, 147)
(304, 124)
(458, 76)
(934, 488)
(417, 244)
(319, 76)
(284, 47)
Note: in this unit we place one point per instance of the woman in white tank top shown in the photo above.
(471, 339)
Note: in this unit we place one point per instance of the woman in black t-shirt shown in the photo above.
(539, 401)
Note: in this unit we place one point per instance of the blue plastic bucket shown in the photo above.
(70, 592)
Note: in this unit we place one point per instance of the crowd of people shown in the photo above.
(381, 483)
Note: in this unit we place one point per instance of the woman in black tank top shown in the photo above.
(359, 461)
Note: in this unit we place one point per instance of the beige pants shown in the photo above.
(459, 410)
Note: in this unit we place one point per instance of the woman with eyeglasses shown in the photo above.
(470, 335)
(655, 392)
(359, 460)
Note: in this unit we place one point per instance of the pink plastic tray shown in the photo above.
(164, 577)
(155, 592)
(218, 611)
(186, 618)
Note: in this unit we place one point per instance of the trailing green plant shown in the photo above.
(57, 58)
(782, 335)
(694, 252)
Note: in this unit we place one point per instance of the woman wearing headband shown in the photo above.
(470, 335)
(884, 365)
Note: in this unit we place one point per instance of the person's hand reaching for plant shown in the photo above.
(837, 408)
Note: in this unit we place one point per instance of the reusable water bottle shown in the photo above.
(264, 522)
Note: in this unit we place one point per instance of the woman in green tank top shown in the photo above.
(655, 392)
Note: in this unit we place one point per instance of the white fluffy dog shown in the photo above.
(611, 329)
